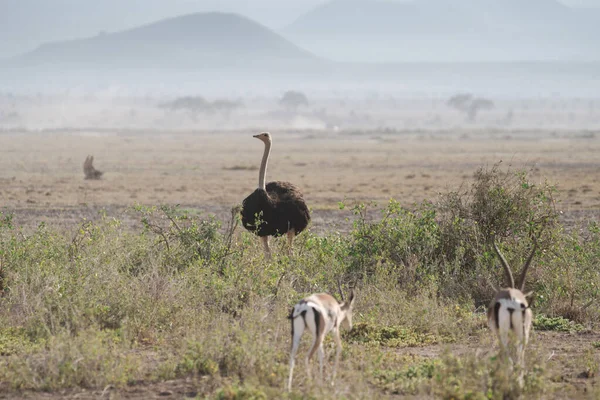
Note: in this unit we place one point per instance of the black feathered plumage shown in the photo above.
(278, 209)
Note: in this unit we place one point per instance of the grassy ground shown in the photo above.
(182, 304)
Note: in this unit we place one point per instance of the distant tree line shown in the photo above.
(199, 105)
(469, 104)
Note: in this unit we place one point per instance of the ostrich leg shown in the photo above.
(265, 240)
(291, 234)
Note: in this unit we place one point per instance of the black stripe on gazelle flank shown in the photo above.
(291, 318)
(523, 311)
(497, 314)
(317, 322)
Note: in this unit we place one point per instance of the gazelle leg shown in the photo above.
(338, 352)
(316, 324)
(265, 240)
(505, 348)
(313, 348)
(521, 363)
(321, 354)
(290, 237)
(297, 330)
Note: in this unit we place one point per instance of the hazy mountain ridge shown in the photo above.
(25, 24)
(190, 41)
(216, 52)
(458, 30)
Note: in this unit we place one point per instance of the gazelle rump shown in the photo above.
(320, 314)
(509, 314)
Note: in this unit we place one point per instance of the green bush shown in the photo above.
(557, 324)
(497, 204)
(390, 336)
(192, 296)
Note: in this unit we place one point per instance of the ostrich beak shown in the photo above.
(256, 136)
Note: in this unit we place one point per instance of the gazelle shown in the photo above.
(88, 169)
(509, 313)
(320, 314)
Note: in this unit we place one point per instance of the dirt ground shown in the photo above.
(559, 349)
(41, 176)
(41, 180)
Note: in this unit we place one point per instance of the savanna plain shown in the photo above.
(143, 284)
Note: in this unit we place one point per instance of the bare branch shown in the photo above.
(588, 304)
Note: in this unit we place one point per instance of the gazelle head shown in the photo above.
(346, 309)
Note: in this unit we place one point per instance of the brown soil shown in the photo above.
(41, 180)
(569, 378)
(41, 174)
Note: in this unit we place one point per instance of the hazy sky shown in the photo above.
(25, 24)
(583, 3)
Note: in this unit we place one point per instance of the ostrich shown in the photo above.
(275, 208)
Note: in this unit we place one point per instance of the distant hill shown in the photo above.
(25, 24)
(448, 30)
(190, 41)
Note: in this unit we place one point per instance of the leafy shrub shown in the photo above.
(190, 295)
(557, 324)
(505, 206)
(403, 240)
(390, 336)
(240, 393)
(186, 238)
(412, 377)
(567, 282)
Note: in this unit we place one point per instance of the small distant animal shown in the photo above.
(88, 169)
(509, 314)
(275, 208)
(320, 314)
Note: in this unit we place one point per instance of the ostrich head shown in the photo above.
(264, 136)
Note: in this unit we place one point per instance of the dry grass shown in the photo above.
(41, 170)
(102, 309)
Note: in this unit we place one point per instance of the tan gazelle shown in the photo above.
(320, 314)
(509, 314)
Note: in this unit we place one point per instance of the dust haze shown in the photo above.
(126, 151)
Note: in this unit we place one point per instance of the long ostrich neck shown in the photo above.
(262, 174)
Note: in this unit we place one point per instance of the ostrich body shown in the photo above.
(275, 208)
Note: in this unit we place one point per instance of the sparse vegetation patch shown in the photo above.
(557, 324)
(187, 296)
